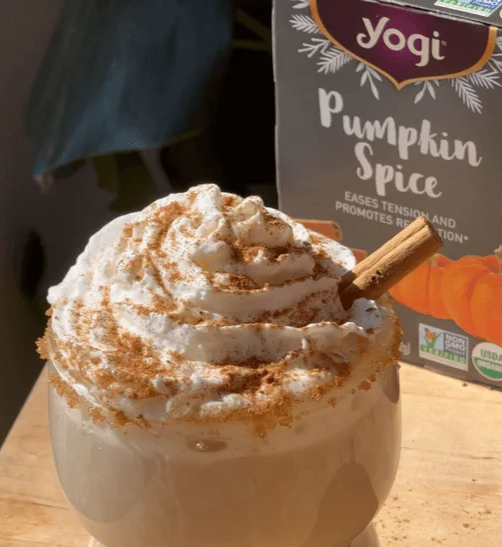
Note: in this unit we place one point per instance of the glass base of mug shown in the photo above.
(369, 538)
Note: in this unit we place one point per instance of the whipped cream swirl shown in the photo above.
(206, 306)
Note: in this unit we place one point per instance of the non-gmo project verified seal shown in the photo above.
(478, 7)
(442, 346)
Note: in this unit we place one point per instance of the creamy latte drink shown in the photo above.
(207, 387)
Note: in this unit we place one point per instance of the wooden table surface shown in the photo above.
(449, 489)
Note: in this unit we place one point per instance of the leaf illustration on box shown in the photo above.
(304, 23)
(431, 338)
(333, 60)
(465, 90)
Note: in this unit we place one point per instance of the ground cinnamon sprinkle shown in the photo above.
(365, 385)
(175, 277)
(136, 267)
(42, 348)
(104, 378)
(240, 283)
(317, 239)
(133, 361)
(143, 422)
(244, 253)
(191, 197)
(64, 390)
(96, 415)
(271, 220)
(157, 276)
(120, 419)
(164, 217)
(320, 271)
(229, 202)
(301, 315)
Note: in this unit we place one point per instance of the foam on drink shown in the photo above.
(207, 307)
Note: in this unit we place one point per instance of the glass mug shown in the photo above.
(318, 483)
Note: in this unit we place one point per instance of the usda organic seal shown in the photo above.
(487, 359)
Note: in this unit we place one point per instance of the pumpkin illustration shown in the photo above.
(472, 292)
(332, 230)
(421, 289)
(359, 254)
(327, 228)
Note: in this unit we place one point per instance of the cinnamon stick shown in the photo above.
(380, 271)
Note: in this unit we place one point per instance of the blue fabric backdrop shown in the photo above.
(126, 75)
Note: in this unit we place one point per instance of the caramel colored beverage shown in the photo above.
(207, 387)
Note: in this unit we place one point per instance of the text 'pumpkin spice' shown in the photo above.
(389, 113)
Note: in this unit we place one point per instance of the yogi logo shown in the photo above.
(404, 45)
(419, 45)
